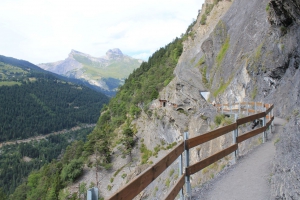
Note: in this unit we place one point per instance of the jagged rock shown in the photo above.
(284, 12)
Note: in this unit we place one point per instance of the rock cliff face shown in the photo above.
(252, 54)
(247, 51)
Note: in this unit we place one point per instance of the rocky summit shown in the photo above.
(107, 73)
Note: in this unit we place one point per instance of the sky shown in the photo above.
(42, 31)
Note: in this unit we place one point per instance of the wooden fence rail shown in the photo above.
(134, 187)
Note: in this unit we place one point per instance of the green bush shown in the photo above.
(203, 19)
(146, 153)
(219, 118)
(268, 7)
(71, 171)
(168, 182)
(124, 176)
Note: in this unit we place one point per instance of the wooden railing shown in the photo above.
(134, 187)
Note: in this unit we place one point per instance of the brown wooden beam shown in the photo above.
(250, 118)
(176, 188)
(269, 122)
(138, 184)
(190, 143)
(269, 109)
(250, 134)
(208, 161)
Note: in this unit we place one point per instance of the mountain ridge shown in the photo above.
(114, 66)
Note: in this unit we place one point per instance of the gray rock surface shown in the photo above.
(286, 166)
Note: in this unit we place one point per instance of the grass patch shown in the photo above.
(222, 167)
(268, 7)
(254, 93)
(208, 9)
(201, 61)
(203, 72)
(124, 176)
(220, 119)
(295, 112)
(168, 182)
(156, 150)
(109, 187)
(205, 170)
(222, 88)
(171, 145)
(146, 153)
(276, 141)
(203, 19)
(176, 176)
(118, 171)
(193, 60)
(258, 52)
(171, 172)
(111, 180)
(222, 52)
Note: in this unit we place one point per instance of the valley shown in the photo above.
(40, 137)
(234, 51)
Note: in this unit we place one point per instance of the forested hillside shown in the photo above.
(141, 87)
(33, 102)
(18, 160)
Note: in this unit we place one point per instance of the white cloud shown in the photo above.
(46, 30)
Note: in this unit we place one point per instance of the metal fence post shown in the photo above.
(180, 173)
(264, 124)
(272, 115)
(187, 163)
(234, 136)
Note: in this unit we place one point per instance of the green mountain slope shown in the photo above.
(140, 88)
(35, 102)
(114, 66)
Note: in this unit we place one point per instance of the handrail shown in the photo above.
(134, 187)
(208, 161)
(174, 191)
(142, 181)
(190, 143)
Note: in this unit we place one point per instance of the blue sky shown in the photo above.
(43, 31)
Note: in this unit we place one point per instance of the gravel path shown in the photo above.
(246, 180)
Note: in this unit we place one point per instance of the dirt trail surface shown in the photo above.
(248, 179)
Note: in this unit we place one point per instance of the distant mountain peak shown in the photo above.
(74, 52)
(114, 53)
(106, 72)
